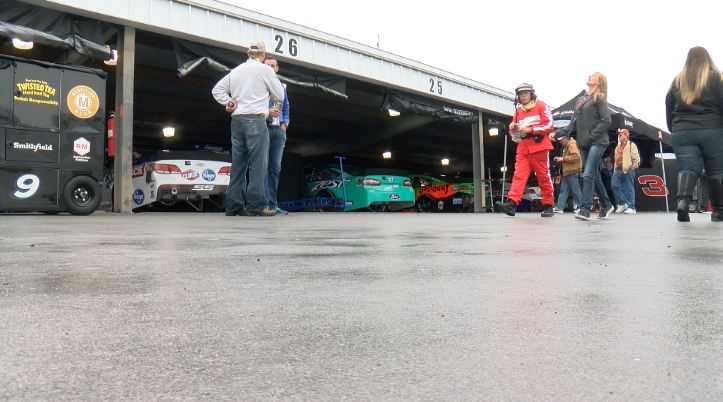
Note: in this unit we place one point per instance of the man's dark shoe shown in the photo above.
(507, 207)
(605, 212)
(547, 212)
(583, 215)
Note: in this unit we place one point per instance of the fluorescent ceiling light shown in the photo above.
(169, 131)
(113, 59)
(445, 162)
(387, 155)
(393, 113)
(22, 45)
(494, 131)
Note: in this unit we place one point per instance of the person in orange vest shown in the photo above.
(530, 129)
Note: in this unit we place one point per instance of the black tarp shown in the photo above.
(190, 55)
(403, 102)
(53, 28)
(639, 130)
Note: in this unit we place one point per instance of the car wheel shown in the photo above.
(325, 207)
(426, 204)
(378, 207)
(81, 195)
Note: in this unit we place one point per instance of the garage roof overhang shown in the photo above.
(224, 25)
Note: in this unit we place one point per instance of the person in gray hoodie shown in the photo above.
(589, 124)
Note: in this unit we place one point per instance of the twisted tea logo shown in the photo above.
(83, 102)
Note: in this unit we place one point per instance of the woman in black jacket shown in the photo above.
(694, 111)
(590, 124)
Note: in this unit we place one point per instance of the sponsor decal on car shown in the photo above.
(190, 175)
(394, 196)
(202, 187)
(81, 147)
(326, 184)
(208, 175)
(138, 170)
(138, 197)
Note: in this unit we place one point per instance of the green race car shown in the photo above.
(435, 195)
(375, 190)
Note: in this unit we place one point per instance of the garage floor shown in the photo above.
(360, 306)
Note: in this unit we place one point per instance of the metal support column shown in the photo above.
(123, 165)
(478, 163)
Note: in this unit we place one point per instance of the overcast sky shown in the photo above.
(554, 45)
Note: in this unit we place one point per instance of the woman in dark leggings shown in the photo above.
(694, 110)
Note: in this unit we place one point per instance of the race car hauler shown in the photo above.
(52, 125)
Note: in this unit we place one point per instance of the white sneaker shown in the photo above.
(557, 210)
(630, 211)
(621, 208)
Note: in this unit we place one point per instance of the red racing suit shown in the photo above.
(532, 155)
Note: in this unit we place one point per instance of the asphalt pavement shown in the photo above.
(360, 306)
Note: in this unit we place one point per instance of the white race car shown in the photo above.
(171, 180)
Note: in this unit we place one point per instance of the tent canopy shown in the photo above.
(621, 118)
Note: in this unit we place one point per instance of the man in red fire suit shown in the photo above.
(530, 129)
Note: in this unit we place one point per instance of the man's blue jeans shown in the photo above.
(249, 155)
(623, 185)
(696, 149)
(277, 140)
(569, 183)
(591, 158)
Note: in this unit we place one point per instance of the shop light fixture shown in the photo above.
(387, 155)
(393, 113)
(113, 60)
(22, 44)
(169, 131)
(445, 162)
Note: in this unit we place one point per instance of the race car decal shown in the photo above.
(319, 185)
(190, 175)
(437, 190)
(208, 175)
(138, 196)
(139, 170)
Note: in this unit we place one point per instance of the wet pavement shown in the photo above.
(360, 306)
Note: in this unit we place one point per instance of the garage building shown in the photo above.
(171, 52)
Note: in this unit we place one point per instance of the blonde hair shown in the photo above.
(601, 92)
(693, 80)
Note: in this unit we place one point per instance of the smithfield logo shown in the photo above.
(83, 102)
(81, 147)
(209, 175)
(138, 197)
(190, 174)
(33, 147)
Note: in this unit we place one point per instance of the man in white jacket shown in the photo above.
(246, 92)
